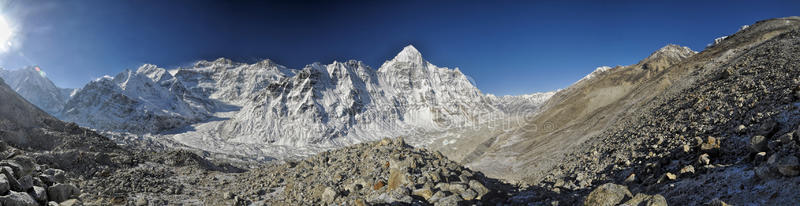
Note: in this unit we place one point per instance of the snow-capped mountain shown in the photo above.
(216, 103)
(36, 88)
(521, 105)
(147, 100)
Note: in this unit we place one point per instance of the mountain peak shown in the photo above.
(672, 51)
(409, 53)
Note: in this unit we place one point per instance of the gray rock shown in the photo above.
(62, 192)
(608, 194)
(4, 185)
(469, 194)
(25, 183)
(437, 196)
(18, 199)
(788, 165)
(758, 143)
(642, 199)
(764, 172)
(59, 176)
(141, 201)
(70, 202)
(328, 195)
(11, 181)
(451, 200)
(39, 194)
(479, 188)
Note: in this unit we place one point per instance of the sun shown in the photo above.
(6, 32)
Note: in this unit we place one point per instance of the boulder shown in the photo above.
(39, 194)
(4, 185)
(608, 194)
(18, 199)
(25, 183)
(687, 169)
(642, 199)
(62, 192)
(478, 188)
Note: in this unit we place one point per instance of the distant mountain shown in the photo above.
(266, 103)
(36, 88)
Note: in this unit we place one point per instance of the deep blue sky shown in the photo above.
(508, 48)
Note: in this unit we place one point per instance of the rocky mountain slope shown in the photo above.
(36, 88)
(715, 127)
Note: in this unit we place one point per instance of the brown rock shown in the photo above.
(378, 185)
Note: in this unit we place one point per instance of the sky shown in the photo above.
(507, 47)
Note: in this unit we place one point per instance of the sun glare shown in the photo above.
(5, 34)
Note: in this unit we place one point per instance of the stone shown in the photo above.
(141, 201)
(687, 169)
(704, 159)
(479, 188)
(328, 195)
(397, 178)
(18, 199)
(468, 194)
(425, 193)
(13, 183)
(711, 145)
(58, 175)
(70, 202)
(608, 194)
(451, 200)
(28, 165)
(788, 165)
(458, 188)
(758, 143)
(631, 178)
(717, 202)
(647, 200)
(62, 192)
(39, 194)
(768, 127)
(764, 172)
(378, 185)
(4, 185)
(399, 142)
(25, 183)
(785, 140)
(671, 176)
(385, 142)
(740, 129)
(437, 196)
(228, 195)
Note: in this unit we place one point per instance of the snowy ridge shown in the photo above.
(36, 88)
(146, 100)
